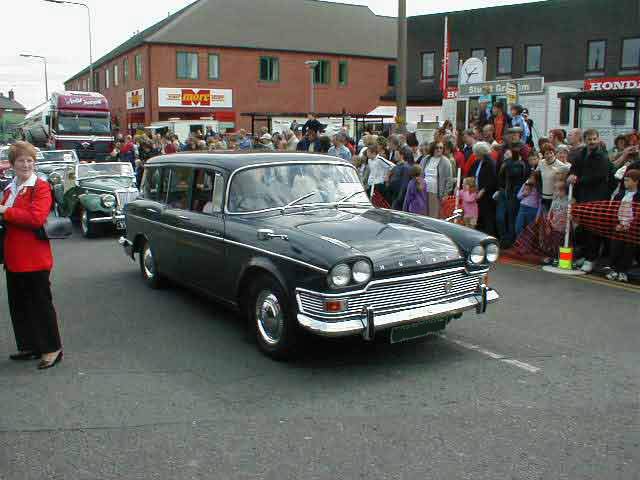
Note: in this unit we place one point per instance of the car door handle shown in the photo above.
(152, 210)
(214, 232)
(182, 217)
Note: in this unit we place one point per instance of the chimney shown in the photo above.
(11, 95)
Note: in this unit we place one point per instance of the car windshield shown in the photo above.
(81, 124)
(89, 170)
(59, 156)
(277, 186)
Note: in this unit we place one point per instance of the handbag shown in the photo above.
(55, 228)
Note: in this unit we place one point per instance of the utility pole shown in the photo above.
(90, 43)
(401, 89)
(46, 81)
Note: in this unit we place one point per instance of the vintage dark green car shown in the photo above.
(95, 193)
(293, 242)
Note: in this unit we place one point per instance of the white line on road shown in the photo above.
(496, 356)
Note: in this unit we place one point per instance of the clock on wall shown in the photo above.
(472, 71)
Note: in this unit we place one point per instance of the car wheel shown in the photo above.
(149, 269)
(272, 319)
(86, 227)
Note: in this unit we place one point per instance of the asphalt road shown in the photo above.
(164, 385)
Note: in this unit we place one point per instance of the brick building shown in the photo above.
(12, 113)
(220, 58)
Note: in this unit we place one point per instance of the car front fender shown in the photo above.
(92, 202)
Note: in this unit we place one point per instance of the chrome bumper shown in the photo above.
(370, 322)
(112, 219)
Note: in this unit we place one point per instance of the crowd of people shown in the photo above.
(504, 183)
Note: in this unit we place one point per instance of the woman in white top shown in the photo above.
(438, 177)
(548, 168)
(379, 168)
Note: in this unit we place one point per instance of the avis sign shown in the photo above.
(195, 98)
(611, 83)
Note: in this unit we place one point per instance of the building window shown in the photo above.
(454, 63)
(597, 50)
(392, 73)
(619, 113)
(96, 81)
(116, 75)
(343, 74)
(533, 58)
(125, 70)
(187, 65)
(565, 103)
(269, 69)
(478, 53)
(427, 69)
(107, 84)
(84, 84)
(78, 86)
(322, 73)
(214, 66)
(138, 66)
(630, 53)
(505, 56)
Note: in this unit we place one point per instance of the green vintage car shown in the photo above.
(96, 194)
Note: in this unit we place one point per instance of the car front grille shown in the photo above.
(126, 196)
(395, 295)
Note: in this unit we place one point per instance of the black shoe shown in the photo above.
(43, 365)
(22, 356)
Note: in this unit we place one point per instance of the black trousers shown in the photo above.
(34, 319)
(622, 254)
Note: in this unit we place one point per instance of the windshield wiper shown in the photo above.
(349, 197)
(291, 204)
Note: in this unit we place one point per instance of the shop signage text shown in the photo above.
(451, 93)
(499, 87)
(195, 98)
(611, 83)
(135, 99)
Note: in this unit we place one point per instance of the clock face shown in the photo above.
(472, 71)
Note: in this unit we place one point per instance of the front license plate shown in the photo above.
(419, 329)
(120, 225)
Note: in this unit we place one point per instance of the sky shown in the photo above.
(60, 33)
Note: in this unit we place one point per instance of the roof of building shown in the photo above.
(312, 26)
(7, 103)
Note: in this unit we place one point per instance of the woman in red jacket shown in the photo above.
(24, 208)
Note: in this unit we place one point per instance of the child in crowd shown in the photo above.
(530, 200)
(415, 201)
(469, 196)
(622, 251)
(556, 223)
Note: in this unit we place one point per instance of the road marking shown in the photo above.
(495, 356)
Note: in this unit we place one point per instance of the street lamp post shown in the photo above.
(90, 43)
(46, 81)
(312, 64)
(401, 91)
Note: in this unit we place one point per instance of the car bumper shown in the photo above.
(115, 219)
(370, 322)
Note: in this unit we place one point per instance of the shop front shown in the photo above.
(177, 103)
(135, 110)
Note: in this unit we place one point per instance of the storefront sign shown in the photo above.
(611, 83)
(135, 99)
(499, 87)
(451, 93)
(195, 98)
(512, 93)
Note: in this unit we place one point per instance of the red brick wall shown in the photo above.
(239, 71)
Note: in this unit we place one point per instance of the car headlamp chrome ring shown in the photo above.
(108, 201)
(477, 255)
(492, 252)
(340, 275)
(361, 271)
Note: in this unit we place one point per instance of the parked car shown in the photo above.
(293, 242)
(96, 193)
(56, 161)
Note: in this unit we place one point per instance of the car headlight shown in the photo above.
(492, 252)
(361, 271)
(108, 201)
(340, 275)
(477, 255)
